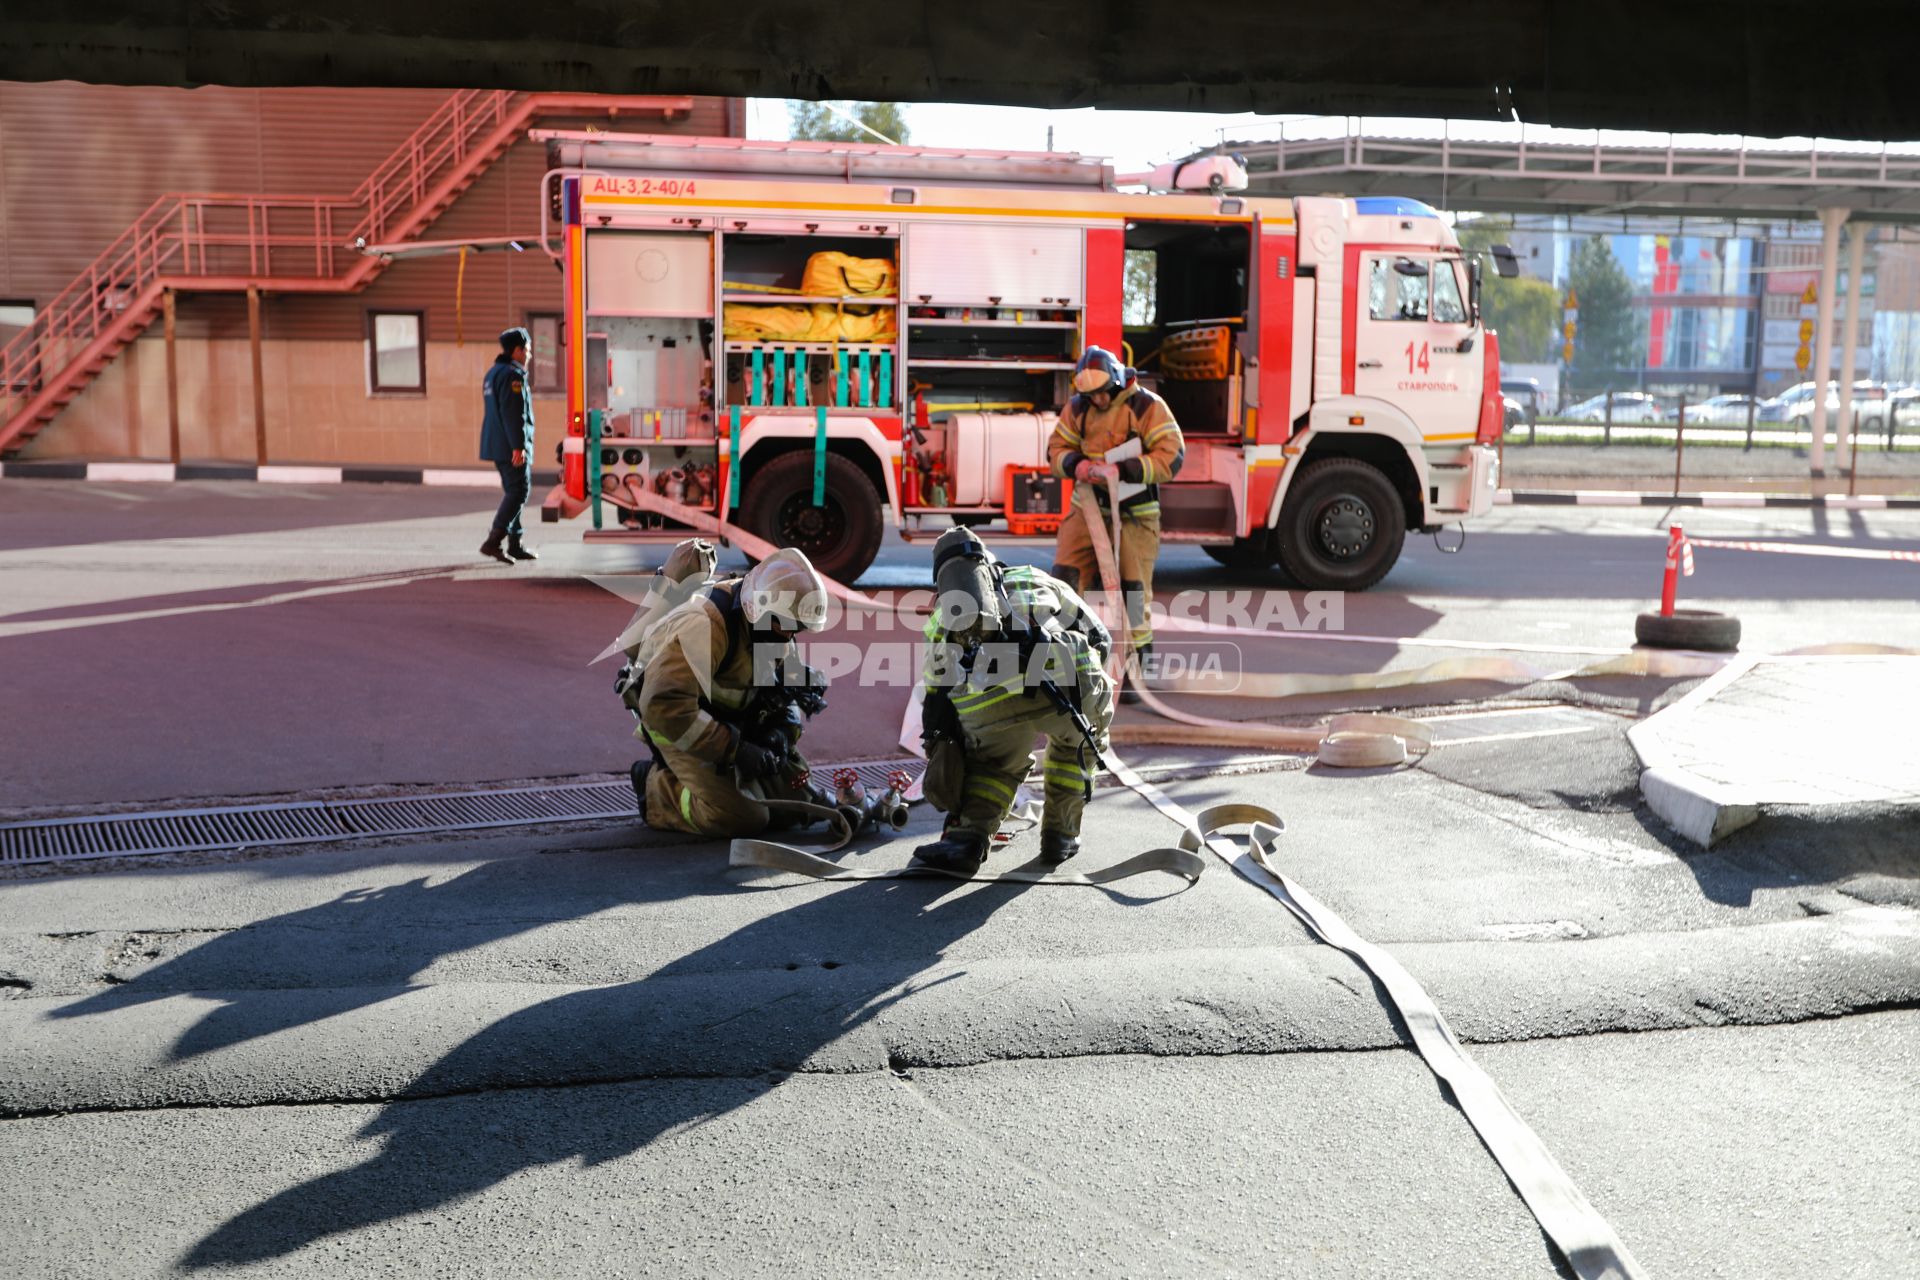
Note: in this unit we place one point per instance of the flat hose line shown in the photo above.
(1583, 1237)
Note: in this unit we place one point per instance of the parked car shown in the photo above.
(1526, 393)
(1516, 413)
(1727, 410)
(1628, 406)
(1902, 406)
(1795, 404)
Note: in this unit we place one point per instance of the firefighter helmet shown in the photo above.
(785, 588)
(1099, 370)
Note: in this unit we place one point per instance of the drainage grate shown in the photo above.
(125, 835)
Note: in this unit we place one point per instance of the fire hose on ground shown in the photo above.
(1589, 1244)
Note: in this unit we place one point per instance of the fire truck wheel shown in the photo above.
(1341, 526)
(1245, 553)
(1688, 629)
(841, 537)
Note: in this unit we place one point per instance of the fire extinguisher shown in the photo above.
(910, 480)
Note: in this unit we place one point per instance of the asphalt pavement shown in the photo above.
(594, 1050)
(228, 640)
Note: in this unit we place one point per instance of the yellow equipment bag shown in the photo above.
(832, 274)
(821, 322)
(753, 323)
(875, 326)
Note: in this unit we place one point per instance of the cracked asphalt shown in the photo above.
(594, 1051)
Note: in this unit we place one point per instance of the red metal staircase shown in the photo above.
(279, 244)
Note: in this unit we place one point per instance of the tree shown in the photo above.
(1607, 343)
(1138, 288)
(816, 122)
(1524, 311)
(1526, 314)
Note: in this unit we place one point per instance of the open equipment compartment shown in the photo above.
(1191, 349)
(649, 318)
(995, 316)
(810, 319)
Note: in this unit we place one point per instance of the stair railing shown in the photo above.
(246, 237)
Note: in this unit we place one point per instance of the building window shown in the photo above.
(396, 352)
(546, 363)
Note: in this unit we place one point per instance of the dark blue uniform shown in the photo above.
(508, 426)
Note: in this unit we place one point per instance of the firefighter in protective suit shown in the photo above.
(1012, 654)
(1110, 410)
(696, 678)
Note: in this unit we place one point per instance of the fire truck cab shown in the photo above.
(807, 339)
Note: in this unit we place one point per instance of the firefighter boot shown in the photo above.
(637, 774)
(517, 550)
(1057, 846)
(491, 547)
(1139, 637)
(961, 852)
(1139, 666)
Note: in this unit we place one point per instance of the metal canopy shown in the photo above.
(1759, 67)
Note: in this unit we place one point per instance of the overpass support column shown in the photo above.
(1830, 222)
(1850, 339)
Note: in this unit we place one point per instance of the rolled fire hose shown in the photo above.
(1585, 1238)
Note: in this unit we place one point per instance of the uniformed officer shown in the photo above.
(506, 440)
(1013, 654)
(700, 670)
(1108, 410)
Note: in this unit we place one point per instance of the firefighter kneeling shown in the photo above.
(1012, 654)
(722, 697)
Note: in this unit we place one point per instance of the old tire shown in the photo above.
(1341, 526)
(841, 536)
(1688, 629)
(1244, 553)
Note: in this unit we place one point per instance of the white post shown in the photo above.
(1830, 221)
(1850, 337)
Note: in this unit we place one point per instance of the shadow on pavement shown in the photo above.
(1870, 852)
(368, 945)
(724, 1044)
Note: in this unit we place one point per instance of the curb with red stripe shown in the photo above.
(271, 473)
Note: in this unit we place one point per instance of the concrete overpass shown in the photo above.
(1762, 67)
(1734, 178)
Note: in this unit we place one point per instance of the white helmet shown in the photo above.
(786, 588)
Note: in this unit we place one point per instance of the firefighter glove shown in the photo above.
(752, 760)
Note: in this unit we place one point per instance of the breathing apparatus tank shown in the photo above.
(966, 591)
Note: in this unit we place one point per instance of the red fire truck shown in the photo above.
(803, 337)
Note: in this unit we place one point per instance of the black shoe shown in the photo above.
(637, 774)
(518, 551)
(961, 852)
(491, 547)
(1057, 846)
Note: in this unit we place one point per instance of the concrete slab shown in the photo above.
(1783, 731)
